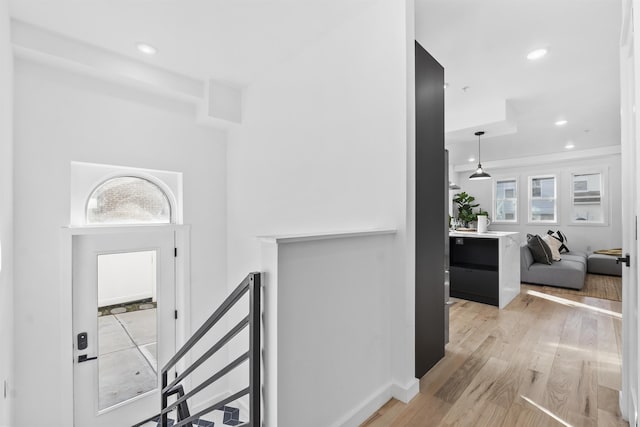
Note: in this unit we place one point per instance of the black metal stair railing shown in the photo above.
(250, 284)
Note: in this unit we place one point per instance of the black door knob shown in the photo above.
(625, 259)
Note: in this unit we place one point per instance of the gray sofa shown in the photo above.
(568, 273)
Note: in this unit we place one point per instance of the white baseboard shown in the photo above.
(359, 414)
(375, 401)
(406, 393)
(353, 418)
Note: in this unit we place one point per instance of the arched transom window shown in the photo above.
(128, 200)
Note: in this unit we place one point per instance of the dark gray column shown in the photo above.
(431, 227)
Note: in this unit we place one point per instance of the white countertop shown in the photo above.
(487, 235)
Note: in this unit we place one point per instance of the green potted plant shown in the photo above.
(465, 207)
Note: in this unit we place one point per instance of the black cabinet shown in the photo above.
(474, 269)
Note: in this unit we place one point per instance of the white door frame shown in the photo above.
(630, 133)
(183, 297)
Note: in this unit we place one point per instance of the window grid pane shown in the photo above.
(543, 200)
(506, 203)
(587, 203)
(128, 200)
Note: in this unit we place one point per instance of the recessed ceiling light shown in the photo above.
(472, 159)
(146, 49)
(561, 122)
(569, 145)
(536, 54)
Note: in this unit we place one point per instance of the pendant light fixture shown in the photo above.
(479, 173)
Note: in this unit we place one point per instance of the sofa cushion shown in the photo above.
(526, 259)
(603, 264)
(554, 245)
(560, 237)
(576, 256)
(565, 273)
(539, 249)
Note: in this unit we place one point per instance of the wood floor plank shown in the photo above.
(609, 354)
(608, 402)
(453, 388)
(524, 415)
(384, 416)
(606, 419)
(441, 372)
(472, 402)
(429, 411)
(595, 285)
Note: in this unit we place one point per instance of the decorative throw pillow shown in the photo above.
(539, 249)
(559, 236)
(554, 245)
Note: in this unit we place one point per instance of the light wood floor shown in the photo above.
(538, 362)
(595, 285)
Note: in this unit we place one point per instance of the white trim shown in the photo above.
(544, 159)
(376, 400)
(494, 216)
(183, 282)
(182, 242)
(360, 413)
(295, 238)
(405, 393)
(556, 212)
(87, 177)
(629, 97)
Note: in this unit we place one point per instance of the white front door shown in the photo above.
(123, 324)
(630, 95)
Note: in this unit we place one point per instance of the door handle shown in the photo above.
(85, 358)
(625, 259)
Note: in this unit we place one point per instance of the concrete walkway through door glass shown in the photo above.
(127, 364)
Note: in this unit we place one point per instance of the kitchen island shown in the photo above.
(485, 267)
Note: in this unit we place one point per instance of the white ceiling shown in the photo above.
(483, 45)
(229, 40)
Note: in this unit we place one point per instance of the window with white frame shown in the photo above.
(587, 198)
(505, 200)
(543, 206)
(128, 200)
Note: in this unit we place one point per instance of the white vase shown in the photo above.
(483, 223)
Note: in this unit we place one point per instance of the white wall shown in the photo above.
(581, 237)
(126, 277)
(62, 117)
(6, 216)
(333, 329)
(323, 147)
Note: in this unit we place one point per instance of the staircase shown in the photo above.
(177, 413)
